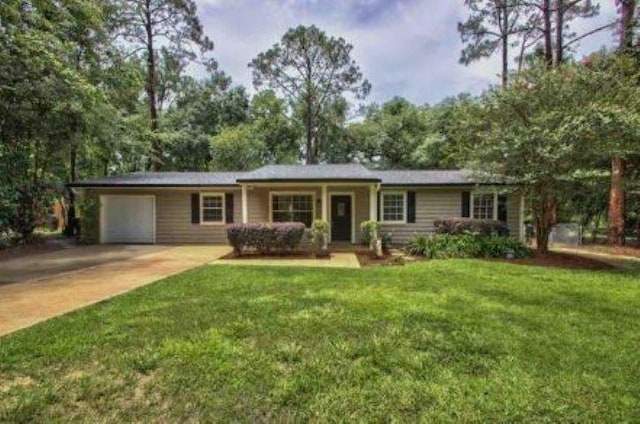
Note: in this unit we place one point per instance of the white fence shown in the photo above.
(566, 233)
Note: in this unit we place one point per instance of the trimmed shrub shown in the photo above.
(481, 227)
(320, 233)
(265, 238)
(444, 246)
(370, 231)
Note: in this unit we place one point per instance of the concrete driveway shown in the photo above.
(51, 284)
(76, 257)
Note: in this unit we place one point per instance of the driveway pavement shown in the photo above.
(55, 283)
(30, 267)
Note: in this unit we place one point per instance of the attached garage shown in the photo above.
(127, 219)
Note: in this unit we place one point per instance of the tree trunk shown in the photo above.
(311, 149)
(618, 165)
(70, 224)
(543, 221)
(505, 44)
(559, 56)
(546, 32)
(156, 149)
(616, 202)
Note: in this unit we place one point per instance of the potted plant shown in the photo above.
(320, 238)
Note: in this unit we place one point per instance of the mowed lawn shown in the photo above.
(457, 340)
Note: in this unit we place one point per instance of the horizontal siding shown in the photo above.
(173, 215)
(432, 204)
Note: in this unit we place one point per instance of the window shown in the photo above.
(212, 208)
(292, 208)
(393, 207)
(483, 206)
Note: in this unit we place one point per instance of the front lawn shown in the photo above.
(434, 341)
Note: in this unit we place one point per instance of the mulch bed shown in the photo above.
(559, 260)
(365, 258)
(298, 254)
(612, 250)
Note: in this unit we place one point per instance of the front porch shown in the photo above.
(343, 205)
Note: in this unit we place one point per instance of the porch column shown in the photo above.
(495, 204)
(373, 202)
(324, 204)
(245, 207)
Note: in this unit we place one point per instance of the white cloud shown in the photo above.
(408, 48)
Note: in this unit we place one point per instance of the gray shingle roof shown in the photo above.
(163, 179)
(431, 177)
(326, 172)
(323, 172)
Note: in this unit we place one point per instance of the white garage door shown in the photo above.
(127, 219)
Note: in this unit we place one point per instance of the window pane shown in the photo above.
(212, 215)
(292, 208)
(483, 206)
(393, 207)
(212, 201)
(212, 208)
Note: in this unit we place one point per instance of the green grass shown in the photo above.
(458, 340)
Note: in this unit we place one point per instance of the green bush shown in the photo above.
(443, 246)
(265, 238)
(481, 227)
(319, 233)
(370, 230)
(89, 219)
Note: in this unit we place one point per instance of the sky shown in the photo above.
(407, 48)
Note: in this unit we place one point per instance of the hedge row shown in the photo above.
(445, 246)
(265, 238)
(481, 227)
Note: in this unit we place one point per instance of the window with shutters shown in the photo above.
(292, 207)
(483, 206)
(394, 207)
(212, 208)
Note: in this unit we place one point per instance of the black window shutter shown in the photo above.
(195, 208)
(379, 206)
(466, 204)
(228, 206)
(411, 207)
(502, 208)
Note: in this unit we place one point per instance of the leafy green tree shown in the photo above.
(312, 70)
(146, 25)
(237, 149)
(271, 123)
(526, 135)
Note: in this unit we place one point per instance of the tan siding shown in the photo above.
(173, 215)
(432, 204)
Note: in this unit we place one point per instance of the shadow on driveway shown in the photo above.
(74, 258)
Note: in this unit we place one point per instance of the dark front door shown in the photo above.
(341, 218)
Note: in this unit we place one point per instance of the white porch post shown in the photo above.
(245, 206)
(325, 203)
(495, 205)
(373, 202)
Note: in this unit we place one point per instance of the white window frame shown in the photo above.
(202, 208)
(293, 193)
(494, 212)
(404, 206)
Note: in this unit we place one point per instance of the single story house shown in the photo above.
(194, 207)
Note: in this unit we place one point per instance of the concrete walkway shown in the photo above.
(26, 303)
(337, 260)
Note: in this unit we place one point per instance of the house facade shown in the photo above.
(195, 207)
